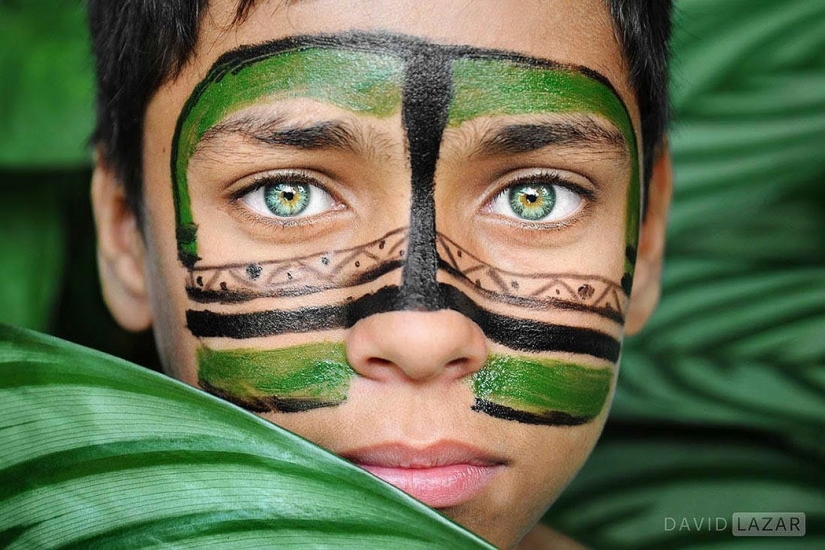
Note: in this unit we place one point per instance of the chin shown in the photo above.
(502, 528)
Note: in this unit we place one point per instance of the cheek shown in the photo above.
(533, 390)
(293, 379)
(169, 302)
(553, 459)
(165, 274)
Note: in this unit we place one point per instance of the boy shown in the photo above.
(405, 231)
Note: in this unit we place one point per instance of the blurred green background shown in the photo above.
(720, 406)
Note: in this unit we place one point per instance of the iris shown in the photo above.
(532, 201)
(287, 199)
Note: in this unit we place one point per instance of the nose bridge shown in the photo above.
(426, 98)
(416, 345)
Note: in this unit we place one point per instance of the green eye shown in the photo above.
(532, 202)
(537, 201)
(287, 199)
(285, 196)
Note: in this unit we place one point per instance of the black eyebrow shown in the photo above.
(276, 131)
(528, 137)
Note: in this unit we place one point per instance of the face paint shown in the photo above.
(306, 377)
(431, 86)
(426, 106)
(518, 86)
(540, 391)
(290, 379)
(534, 291)
(350, 267)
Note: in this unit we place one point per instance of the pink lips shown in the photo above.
(441, 475)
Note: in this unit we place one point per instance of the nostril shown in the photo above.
(461, 362)
(379, 362)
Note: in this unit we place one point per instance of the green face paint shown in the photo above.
(361, 82)
(540, 391)
(290, 379)
(497, 87)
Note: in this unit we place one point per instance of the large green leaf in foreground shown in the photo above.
(96, 452)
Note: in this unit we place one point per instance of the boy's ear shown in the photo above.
(647, 283)
(120, 250)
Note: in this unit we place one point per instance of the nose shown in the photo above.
(416, 345)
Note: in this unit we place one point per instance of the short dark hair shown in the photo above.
(140, 44)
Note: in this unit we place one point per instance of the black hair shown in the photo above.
(140, 44)
(643, 29)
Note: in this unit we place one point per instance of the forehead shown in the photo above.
(365, 74)
(576, 32)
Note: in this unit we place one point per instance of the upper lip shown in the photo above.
(402, 455)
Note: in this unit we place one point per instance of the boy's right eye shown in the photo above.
(288, 196)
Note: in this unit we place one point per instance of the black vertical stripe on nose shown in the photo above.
(426, 102)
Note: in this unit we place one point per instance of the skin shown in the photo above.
(416, 374)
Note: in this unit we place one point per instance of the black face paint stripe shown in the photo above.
(348, 268)
(205, 323)
(519, 334)
(529, 334)
(269, 403)
(550, 418)
(424, 112)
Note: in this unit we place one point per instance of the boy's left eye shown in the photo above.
(536, 202)
(288, 198)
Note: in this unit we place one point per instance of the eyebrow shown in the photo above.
(277, 131)
(584, 133)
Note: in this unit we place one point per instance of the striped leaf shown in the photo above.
(638, 477)
(99, 453)
(738, 336)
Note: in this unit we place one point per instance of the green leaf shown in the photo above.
(737, 338)
(639, 477)
(46, 91)
(32, 245)
(98, 452)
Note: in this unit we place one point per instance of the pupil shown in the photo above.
(531, 198)
(288, 195)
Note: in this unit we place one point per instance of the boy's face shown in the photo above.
(405, 231)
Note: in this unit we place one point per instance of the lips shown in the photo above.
(440, 475)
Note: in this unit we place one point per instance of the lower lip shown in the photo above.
(438, 487)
